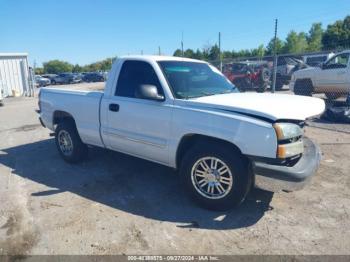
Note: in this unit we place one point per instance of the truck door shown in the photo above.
(137, 126)
(335, 74)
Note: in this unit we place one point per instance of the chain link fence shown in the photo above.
(324, 74)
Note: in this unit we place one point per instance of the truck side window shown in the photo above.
(134, 74)
(339, 61)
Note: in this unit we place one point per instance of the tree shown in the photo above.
(279, 46)
(198, 54)
(314, 37)
(77, 69)
(57, 66)
(178, 53)
(226, 54)
(189, 53)
(295, 43)
(39, 71)
(337, 35)
(214, 53)
(258, 52)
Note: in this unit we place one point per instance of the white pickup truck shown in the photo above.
(185, 114)
(332, 78)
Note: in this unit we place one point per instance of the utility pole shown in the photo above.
(274, 59)
(182, 43)
(159, 53)
(220, 56)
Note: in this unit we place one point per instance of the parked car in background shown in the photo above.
(41, 81)
(65, 78)
(286, 66)
(93, 77)
(316, 59)
(249, 75)
(183, 113)
(79, 77)
(49, 76)
(332, 78)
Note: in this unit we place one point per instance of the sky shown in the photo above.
(85, 31)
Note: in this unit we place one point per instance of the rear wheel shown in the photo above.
(53, 82)
(279, 84)
(303, 87)
(216, 176)
(68, 142)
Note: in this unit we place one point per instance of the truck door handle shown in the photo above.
(114, 107)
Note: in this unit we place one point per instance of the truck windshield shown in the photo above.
(191, 79)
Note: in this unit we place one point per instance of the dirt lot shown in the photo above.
(114, 204)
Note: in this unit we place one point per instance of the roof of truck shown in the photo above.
(160, 58)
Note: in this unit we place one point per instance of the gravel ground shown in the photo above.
(117, 204)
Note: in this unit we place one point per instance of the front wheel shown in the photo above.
(68, 142)
(216, 176)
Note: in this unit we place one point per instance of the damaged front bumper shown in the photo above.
(288, 178)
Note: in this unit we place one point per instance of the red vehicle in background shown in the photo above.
(249, 75)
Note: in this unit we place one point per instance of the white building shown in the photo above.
(15, 76)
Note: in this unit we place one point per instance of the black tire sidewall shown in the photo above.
(303, 87)
(79, 148)
(238, 167)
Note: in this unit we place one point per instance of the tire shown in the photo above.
(67, 137)
(264, 80)
(279, 84)
(233, 193)
(303, 87)
(333, 96)
(53, 82)
(262, 89)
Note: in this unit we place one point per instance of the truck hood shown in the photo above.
(268, 106)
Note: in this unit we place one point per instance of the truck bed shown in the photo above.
(83, 106)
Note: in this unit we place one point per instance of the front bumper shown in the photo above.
(288, 178)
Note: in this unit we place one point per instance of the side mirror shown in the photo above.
(148, 92)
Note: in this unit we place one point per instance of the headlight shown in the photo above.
(286, 131)
(289, 140)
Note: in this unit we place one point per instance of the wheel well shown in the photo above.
(59, 116)
(190, 140)
(304, 81)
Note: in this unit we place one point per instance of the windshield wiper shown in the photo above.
(207, 93)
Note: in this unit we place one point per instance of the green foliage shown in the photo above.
(57, 66)
(178, 53)
(337, 35)
(77, 69)
(279, 46)
(314, 37)
(39, 71)
(295, 43)
(258, 52)
(189, 53)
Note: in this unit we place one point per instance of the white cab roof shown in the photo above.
(159, 58)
